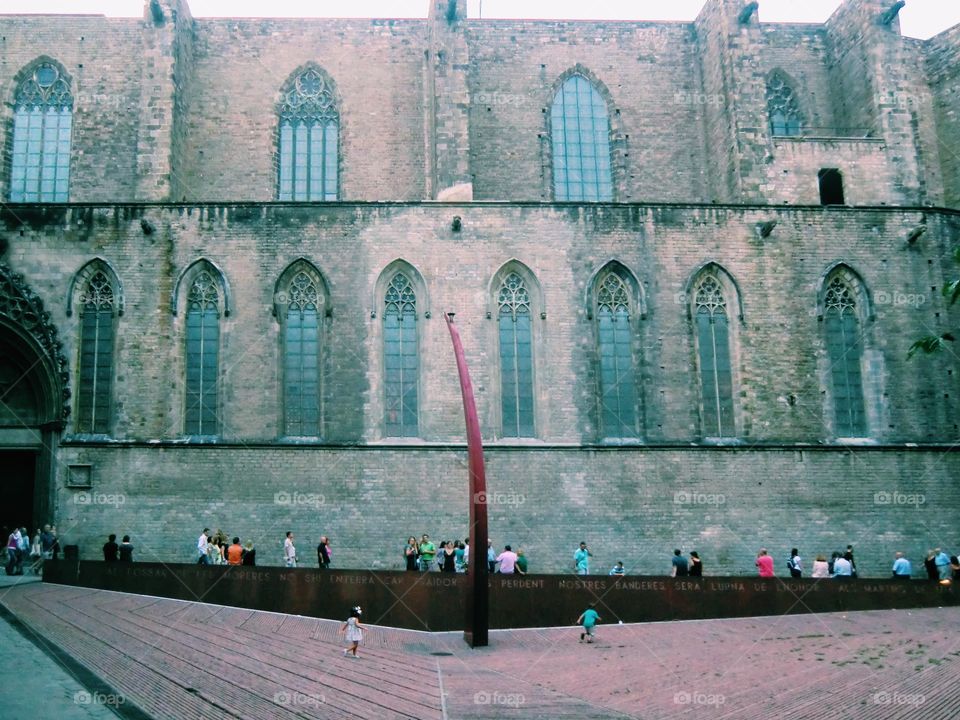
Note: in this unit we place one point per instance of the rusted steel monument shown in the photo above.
(475, 631)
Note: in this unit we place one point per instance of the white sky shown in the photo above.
(920, 18)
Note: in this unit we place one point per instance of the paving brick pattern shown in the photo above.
(179, 660)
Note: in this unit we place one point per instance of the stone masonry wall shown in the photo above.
(633, 505)
(778, 346)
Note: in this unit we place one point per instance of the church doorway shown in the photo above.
(18, 477)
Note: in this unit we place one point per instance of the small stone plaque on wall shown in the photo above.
(80, 476)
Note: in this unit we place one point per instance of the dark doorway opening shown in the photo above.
(18, 477)
(831, 186)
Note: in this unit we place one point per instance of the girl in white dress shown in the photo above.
(353, 630)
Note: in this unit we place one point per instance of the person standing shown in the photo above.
(931, 566)
(679, 567)
(848, 556)
(942, 561)
(411, 553)
(110, 549)
(764, 564)
(507, 560)
(235, 552)
(202, 556)
(491, 557)
(842, 568)
(13, 545)
(459, 563)
(581, 559)
(696, 565)
(289, 551)
(589, 618)
(354, 631)
(428, 551)
(323, 553)
(795, 564)
(448, 560)
(901, 567)
(821, 568)
(126, 549)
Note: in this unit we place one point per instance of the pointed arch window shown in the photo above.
(782, 107)
(580, 129)
(301, 357)
(618, 415)
(202, 356)
(42, 127)
(98, 308)
(844, 349)
(516, 357)
(309, 139)
(713, 350)
(401, 358)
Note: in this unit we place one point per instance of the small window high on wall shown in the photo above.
(831, 186)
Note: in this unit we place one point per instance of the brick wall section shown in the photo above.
(943, 72)
(102, 57)
(240, 68)
(634, 505)
(779, 341)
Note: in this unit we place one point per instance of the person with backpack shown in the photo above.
(794, 564)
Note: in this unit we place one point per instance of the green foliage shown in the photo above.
(936, 343)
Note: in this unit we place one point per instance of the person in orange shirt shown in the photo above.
(235, 552)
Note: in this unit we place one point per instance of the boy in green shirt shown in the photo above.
(427, 552)
(589, 618)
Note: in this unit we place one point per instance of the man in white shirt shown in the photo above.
(289, 551)
(507, 560)
(842, 567)
(202, 558)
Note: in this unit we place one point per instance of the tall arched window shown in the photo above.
(401, 356)
(580, 129)
(713, 350)
(618, 415)
(98, 308)
(309, 138)
(301, 356)
(782, 107)
(516, 357)
(203, 355)
(844, 349)
(42, 123)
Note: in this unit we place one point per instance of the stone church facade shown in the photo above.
(687, 261)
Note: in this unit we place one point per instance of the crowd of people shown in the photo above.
(21, 548)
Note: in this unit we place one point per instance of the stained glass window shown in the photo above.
(42, 123)
(516, 357)
(203, 355)
(617, 377)
(842, 328)
(309, 137)
(713, 344)
(301, 356)
(401, 358)
(581, 143)
(97, 313)
(782, 107)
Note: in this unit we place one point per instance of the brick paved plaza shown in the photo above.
(174, 659)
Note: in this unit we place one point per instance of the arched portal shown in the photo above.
(34, 405)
